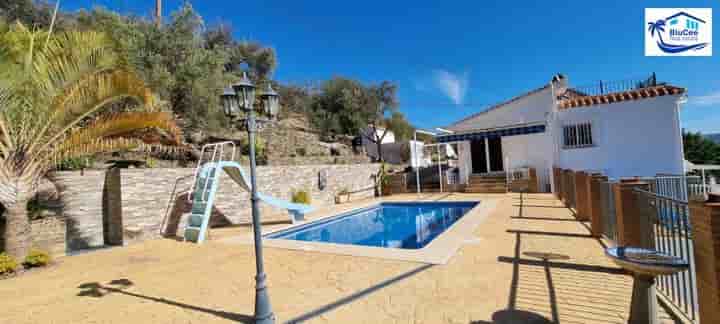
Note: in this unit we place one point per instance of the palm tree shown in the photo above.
(52, 91)
(658, 26)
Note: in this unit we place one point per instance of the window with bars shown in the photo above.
(578, 136)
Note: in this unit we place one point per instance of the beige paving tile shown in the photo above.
(490, 277)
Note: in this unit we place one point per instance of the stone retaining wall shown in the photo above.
(48, 234)
(137, 204)
(82, 198)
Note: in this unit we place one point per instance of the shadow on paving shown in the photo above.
(355, 296)
(544, 290)
(551, 233)
(97, 290)
(546, 219)
(540, 206)
(515, 317)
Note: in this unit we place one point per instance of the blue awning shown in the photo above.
(479, 135)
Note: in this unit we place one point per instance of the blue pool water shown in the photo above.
(411, 225)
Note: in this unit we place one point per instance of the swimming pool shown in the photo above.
(404, 225)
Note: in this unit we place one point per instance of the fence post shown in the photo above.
(705, 220)
(628, 213)
(532, 181)
(566, 187)
(558, 182)
(595, 204)
(581, 195)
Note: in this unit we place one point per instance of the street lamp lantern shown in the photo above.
(271, 101)
(230, 103)
(241, 96)
(245, 92)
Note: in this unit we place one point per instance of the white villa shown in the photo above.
(622, 131)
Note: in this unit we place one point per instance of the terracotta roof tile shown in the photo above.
(576, 99)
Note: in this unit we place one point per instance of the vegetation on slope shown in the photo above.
(187, 64)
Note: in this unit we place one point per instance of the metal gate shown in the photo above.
(668, 230)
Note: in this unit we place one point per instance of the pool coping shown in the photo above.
(438, 251)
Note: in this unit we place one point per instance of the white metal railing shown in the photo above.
(452, 176)
(516, 174)
(216, 151)
(680, 187)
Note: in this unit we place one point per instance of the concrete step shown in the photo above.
(470, 184)
(483, 177)
(479, 190)
(486, 184)
(486, 187)
(485, 180)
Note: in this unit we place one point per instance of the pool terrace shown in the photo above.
(494, 277)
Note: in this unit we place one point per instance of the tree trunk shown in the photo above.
(17, 230)
(158, 13)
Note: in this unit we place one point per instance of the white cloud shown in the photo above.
(452, 85)
(706, 100)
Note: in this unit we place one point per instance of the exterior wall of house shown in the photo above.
(530, 109)
(533, 108)
(532, 150)
(632, 138)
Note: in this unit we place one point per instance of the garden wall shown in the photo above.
(48, 234)
(118, 206)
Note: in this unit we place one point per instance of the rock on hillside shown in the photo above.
(292, 141)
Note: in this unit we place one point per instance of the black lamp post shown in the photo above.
(242, 97)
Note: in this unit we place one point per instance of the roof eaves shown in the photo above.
(498, 105)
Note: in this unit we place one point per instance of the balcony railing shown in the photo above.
(604, 87)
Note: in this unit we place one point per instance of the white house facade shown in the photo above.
(632, 132)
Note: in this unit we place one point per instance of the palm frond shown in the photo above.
(90, 95)
(123, 124)
(110, 145)
(48, 94)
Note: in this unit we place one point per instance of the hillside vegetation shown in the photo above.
(187, 63)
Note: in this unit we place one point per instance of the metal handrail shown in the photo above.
(207, 147)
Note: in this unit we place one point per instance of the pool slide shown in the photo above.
(205, 187)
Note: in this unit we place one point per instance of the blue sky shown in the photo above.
(453, 58)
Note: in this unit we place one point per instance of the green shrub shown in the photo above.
(7, 263)
(301, 197)
(151, 163)
(260, 152)
(37, 258)
(72, 164)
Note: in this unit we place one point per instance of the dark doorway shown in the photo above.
(479, 162)
(496, 157)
